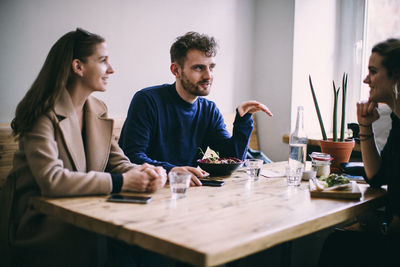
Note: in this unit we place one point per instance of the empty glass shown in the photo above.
(253, 168)
(294, 174)
(179, 183)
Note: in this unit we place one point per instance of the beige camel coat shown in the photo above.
(55, 160)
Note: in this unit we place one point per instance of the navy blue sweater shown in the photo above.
(164, 130)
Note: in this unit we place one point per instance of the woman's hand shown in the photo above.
(367, 112)
(145, 178)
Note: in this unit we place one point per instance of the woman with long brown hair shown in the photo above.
(66, 148)
(379, 247)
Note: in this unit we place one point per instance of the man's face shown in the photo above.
(197, 73)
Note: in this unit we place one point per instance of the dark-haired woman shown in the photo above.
(379, 248)
(66, 148)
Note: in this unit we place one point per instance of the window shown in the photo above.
(340, 42)
(362, 25)
(382, 22)
(328, 41)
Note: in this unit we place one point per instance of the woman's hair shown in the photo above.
(390, 51)
(55, 76)
(192, 40)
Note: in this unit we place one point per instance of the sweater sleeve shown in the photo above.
(388, 164)
(117, 181)
(235, 145)
(389, 171)
(137, 130)
(379, 178)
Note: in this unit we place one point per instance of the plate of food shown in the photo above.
(334, 186)
(334, 182)
(217, 166)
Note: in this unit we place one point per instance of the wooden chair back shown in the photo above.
(8, 146)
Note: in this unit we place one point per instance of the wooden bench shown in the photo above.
(8, 145)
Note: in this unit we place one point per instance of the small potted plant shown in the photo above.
(339, 148)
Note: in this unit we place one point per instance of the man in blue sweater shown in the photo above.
(167, 124)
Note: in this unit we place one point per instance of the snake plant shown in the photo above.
(344, 93)
(335, 102)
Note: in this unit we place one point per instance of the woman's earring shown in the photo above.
(396, 91)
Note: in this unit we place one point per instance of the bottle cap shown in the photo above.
(321, 156)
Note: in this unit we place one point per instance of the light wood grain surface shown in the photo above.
(214, 225)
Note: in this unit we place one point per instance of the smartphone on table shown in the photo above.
(211, 182)
(129, 199)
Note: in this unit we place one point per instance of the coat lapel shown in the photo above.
(98, 134)
(70, 130)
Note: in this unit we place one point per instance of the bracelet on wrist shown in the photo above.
(364, 137)
(365, 125)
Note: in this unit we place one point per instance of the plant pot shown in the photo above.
(340, 151)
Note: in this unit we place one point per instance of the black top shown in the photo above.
(389, 172)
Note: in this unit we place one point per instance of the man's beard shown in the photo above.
(194, 89)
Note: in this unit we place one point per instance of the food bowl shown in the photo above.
(220, 167)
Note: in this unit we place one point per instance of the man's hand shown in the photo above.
(194, 171)
(253, 107)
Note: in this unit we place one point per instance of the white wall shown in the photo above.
(292, 39)
(326, 44)
(256, 58)
(272, 73)
(314, 54)
(139, 35)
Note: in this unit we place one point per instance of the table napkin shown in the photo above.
(271, 173)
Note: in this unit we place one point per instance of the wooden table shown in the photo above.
(213, 225)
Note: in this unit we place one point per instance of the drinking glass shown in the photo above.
(179, 183)
(253, 168)
(294, 174)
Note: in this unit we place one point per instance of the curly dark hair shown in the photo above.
(192, 40)
(390, 51)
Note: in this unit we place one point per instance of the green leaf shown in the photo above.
(335, 100)
(321, 123)
(344, 93)
(201, 152)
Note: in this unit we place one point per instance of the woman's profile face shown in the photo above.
(96, 69)
(381, 86)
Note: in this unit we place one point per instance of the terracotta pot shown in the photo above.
(340, 151)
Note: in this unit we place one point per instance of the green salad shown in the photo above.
(334, 179)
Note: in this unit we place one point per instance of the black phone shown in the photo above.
(212, 182)
(129, 199)
(353, 168)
